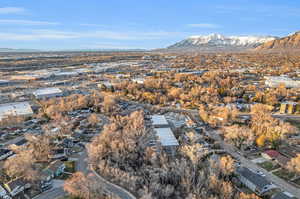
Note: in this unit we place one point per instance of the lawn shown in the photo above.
(269, 166)
(70, 166)
(284, 174)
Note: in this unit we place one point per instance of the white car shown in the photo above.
(260, 173)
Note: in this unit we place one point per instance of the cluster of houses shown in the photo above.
(256, 180)
(16, 186)
(54, 169)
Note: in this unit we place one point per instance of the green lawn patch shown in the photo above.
(269, 166)
(284, 174)
(70, 166)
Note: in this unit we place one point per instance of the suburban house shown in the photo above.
(270, 154)
(5, 153)
(16, 186)
(46, 179)
(282, 160)
(275, 156)
(56, 168)
(3, 193)
(60, 153)
(254, 181)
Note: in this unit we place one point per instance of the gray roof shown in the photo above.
(47, 91)
(166, 137)
(15, 183)
(255, 178)
(159, 120)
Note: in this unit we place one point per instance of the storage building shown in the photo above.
(44, 93)
(15, 109)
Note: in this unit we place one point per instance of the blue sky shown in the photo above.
(94, 24)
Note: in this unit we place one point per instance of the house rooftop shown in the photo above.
(272, 153)
(255, 178)
(15, 183)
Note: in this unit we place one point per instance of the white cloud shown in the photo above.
(45, 34)
(204, 25)
(25, 22)
(11, 10)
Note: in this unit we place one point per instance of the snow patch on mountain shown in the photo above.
(221, 40)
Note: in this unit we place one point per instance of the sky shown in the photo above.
(137, 24)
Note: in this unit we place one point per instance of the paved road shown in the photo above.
(112, 188)
(83, 166)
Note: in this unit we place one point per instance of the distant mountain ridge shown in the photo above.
(290, 42)
(221, 42)
(17, 50)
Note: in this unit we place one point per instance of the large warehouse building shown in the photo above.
(159, 121)
(44, 93)
(15, 109)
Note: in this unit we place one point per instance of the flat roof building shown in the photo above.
(275, 81)
(159, 121)
(283, 195)
(166, 137)
(15, 109)
(47, 93)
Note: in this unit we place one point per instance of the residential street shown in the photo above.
(82, 165)
(285, 186)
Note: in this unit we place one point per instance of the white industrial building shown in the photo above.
(275, 81)
(47, 93)
(15, 109)
(138, 80)
(167, 139)
(159, 121)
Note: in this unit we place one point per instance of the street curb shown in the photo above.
(114, 185)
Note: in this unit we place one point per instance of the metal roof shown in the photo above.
(47, 91)
(166, 137)
(15, 109)
(255, 178)
(159, 120)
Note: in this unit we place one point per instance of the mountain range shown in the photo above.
(215, 42)
(290, 42)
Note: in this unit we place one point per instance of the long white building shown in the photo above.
(47, 93)
(15, 109)
(275, 81)
(159, 121)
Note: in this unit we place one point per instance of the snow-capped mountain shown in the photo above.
(218, 41)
